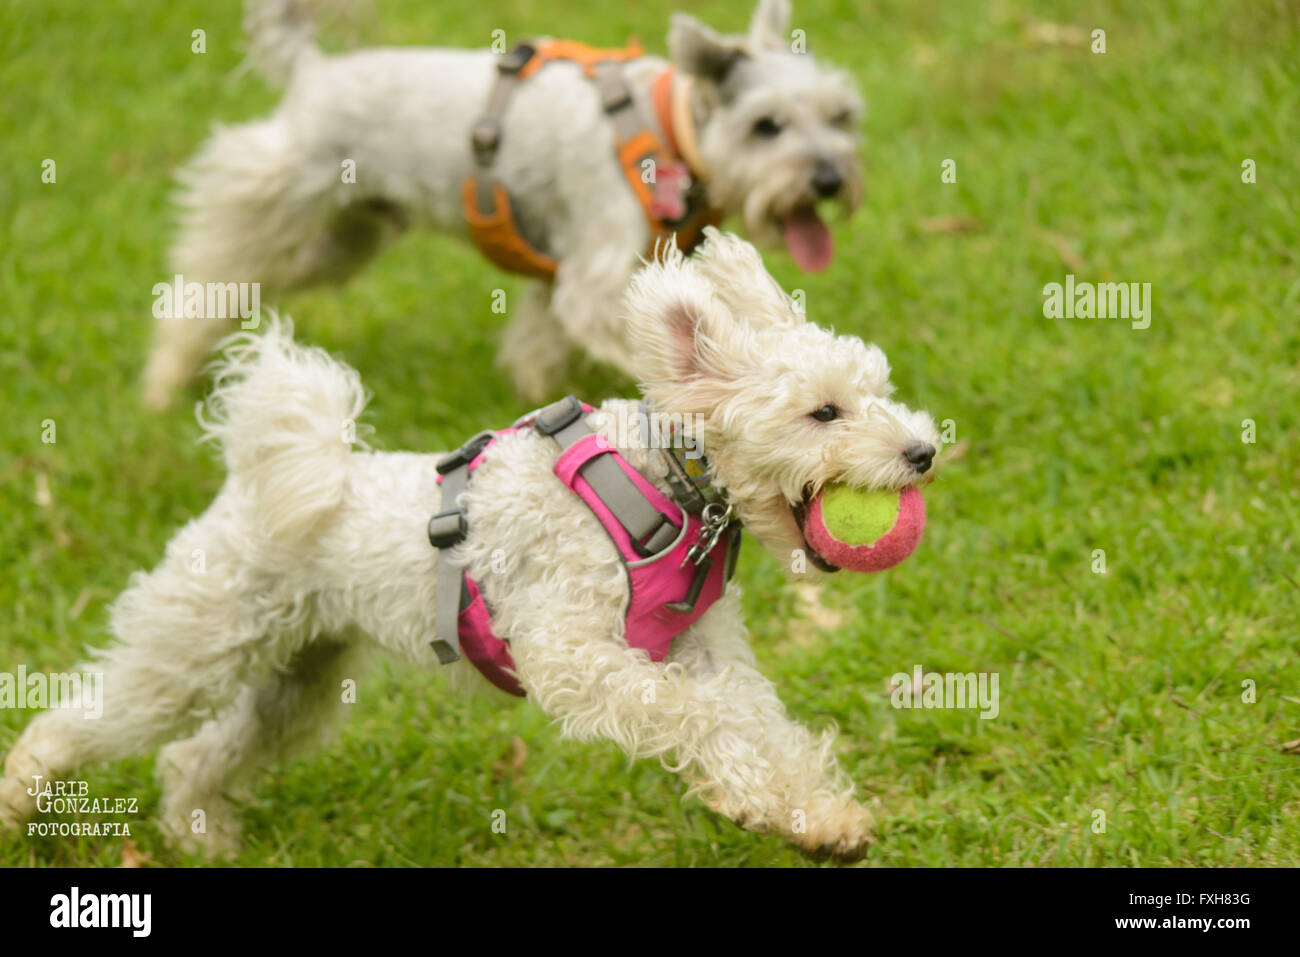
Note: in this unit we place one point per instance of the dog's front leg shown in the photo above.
(707, 713)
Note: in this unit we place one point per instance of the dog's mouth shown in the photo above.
(800, 512)
(865, 531)
(807, 238)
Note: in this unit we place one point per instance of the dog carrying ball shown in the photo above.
(865, 530)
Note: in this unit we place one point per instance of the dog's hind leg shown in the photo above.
(186, 643)
(242, 214)
(296, 710)
(255, 209)
(534, 346)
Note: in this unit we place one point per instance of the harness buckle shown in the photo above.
(613, 89)
(558, 416)
(516, 58)
(663, 535)
(484, 138)
(615, 97)
(448, 529)
(466, 453)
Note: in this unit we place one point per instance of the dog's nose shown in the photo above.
(826, 180)
(919, 456)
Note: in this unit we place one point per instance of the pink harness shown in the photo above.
(668, 590)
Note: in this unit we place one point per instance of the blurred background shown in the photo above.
(1121, 692)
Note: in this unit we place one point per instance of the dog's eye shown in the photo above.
(843, 119)
(767, 127)
(827, 413)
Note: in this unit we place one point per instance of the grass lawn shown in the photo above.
(1121, 692)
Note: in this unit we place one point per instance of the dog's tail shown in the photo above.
(284, 416)
(279, 33)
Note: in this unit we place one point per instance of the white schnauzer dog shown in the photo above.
(313, 551)
(594, 165)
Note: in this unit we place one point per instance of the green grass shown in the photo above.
(1121, 692)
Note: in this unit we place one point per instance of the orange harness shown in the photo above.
(487, 205)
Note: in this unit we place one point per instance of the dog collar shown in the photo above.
(670, 95)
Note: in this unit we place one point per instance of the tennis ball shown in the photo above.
(859, 517)
(866, 530)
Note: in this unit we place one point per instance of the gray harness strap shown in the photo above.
(451, 583)
(447, 529)
(485, 136)
(650, 530)
(616, 100)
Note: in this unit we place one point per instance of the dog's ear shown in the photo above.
(700, 51)
(736, 273)
(770, 26)
(682, 333)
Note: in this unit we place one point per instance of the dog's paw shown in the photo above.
(840, 831)
(10, 819)
(219, 844)
(844, 851)
(532, 384)
(16, 804)
(215, 833)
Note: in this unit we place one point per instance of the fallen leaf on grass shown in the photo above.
(1044, 33)
(1068, 255)
(1291, 747)
(43, 497)
(513, 761)
(811, 619)
(132, 856)
(811, 606)
(950, 224)
(79, 605)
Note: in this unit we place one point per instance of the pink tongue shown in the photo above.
(808, 240)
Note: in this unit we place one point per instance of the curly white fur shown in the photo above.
(234, 646)
(285, 419)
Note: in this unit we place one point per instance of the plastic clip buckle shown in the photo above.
(516, 58)
(448, 529)
(484, 138)
(558, 415)
(465, 454)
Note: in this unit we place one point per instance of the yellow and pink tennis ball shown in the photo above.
(865, 530)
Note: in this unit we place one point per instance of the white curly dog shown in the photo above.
(314, 551)
(774, 134)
